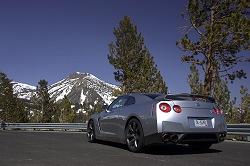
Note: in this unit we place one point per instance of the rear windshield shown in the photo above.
(190, 97)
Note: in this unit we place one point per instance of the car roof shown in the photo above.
(150, 95)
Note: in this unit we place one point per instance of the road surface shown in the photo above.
(40, 148)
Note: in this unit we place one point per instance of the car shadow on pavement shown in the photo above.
(175, 150)
(113, 144)
(163, 149)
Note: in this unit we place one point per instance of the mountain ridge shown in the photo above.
(78, 87)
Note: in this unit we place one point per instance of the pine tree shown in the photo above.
(223, 30)
(67, 114)
(43, 102)
(80, 114)
(95, 110)
(221, 93)
(136, 70)
(243, 111)
(11, 108)
(194, 81)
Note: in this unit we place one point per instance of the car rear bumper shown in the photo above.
(184, 138)
(213, 126)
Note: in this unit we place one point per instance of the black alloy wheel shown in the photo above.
(134, 136)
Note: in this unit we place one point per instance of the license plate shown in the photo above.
(200, 123)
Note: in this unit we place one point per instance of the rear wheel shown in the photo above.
(91, 131)
(134, 136)
(200, 146)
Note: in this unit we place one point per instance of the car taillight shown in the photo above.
(165, 107)
(177, 108)
(217, 110)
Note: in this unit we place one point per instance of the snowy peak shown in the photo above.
(78, 75)
(23, 91)
(82, 87)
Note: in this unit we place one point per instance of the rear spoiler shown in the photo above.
(193, 97)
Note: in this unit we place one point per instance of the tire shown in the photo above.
(134, 136)
(91, 132)
(200, 146)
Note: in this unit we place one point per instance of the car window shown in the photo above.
(119, 102)
(130, 101)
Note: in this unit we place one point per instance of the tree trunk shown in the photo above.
(123, 89)
(124, 82)
(207, 85)
(210, 59)
(208, 77)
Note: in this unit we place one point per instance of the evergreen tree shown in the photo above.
(95, 110)
(67, 114)
(223, 30)
(221, 93)
(136, 70)
(36, 114)
(243, 111)
(43, 102)
(81, 115)
(11, 108)
(194, 81)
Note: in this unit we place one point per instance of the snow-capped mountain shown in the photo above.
(82, 87)
(23, 91)
(78, 87)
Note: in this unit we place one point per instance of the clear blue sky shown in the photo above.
(50, 39)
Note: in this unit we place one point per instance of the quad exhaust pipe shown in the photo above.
(168, 137)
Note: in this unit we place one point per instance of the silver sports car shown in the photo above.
(139, 120)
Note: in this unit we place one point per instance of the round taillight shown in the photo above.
(177, 108)
(165, 107)
(214, 111)
(219, 110)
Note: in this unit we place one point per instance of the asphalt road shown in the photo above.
(26, 148)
